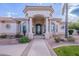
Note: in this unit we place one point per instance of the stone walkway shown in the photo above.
(39, 48)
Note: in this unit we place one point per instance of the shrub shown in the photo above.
(18, 35)
(70, 31)
(3, 36)
(24, 39)
(71, 39)
(56, 38)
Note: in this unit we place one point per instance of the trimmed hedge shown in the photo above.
(70, 31)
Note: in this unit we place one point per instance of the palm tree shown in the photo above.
(66, 21)
(65, 11)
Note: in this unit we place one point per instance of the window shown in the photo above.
(8, 26)
(53, 27)
(56, 28)
(62, 27)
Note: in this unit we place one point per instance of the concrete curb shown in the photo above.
(50, 49)
(27, 49)
(65, 45)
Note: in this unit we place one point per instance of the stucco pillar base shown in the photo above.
(30, 36)
(47, 36)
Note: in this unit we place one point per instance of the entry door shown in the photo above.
(38, 29)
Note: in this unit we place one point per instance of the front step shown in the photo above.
(38, 37)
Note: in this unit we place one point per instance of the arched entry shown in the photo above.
(38, 24)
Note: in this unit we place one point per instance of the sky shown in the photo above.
(12, 9)
(73, 12)
(16, 9)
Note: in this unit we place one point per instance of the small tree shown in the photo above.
(71, 25)
(74, 25)
(77, 27)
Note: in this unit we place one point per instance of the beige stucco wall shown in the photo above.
(5, 30)
(44, 13)
(60, 30)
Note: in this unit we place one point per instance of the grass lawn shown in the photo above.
(67, 51)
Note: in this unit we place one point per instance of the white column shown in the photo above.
(50, 26)
(50, 29)
(30, 33)
(27, 27)
(46, 25)
(47, 34)
(30, 25)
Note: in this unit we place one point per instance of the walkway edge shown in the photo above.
(27, 49)
(50, 49)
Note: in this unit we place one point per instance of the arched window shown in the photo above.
(24, 28)
(8, 26)
(53, 27)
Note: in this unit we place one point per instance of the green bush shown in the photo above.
(3, 36)
(24, 39)
(70, 31)
(73, 25)
(71, 39)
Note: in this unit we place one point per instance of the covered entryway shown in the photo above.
(38, 24)
(39, 15)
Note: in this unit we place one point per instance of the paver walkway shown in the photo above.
(39, 48)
